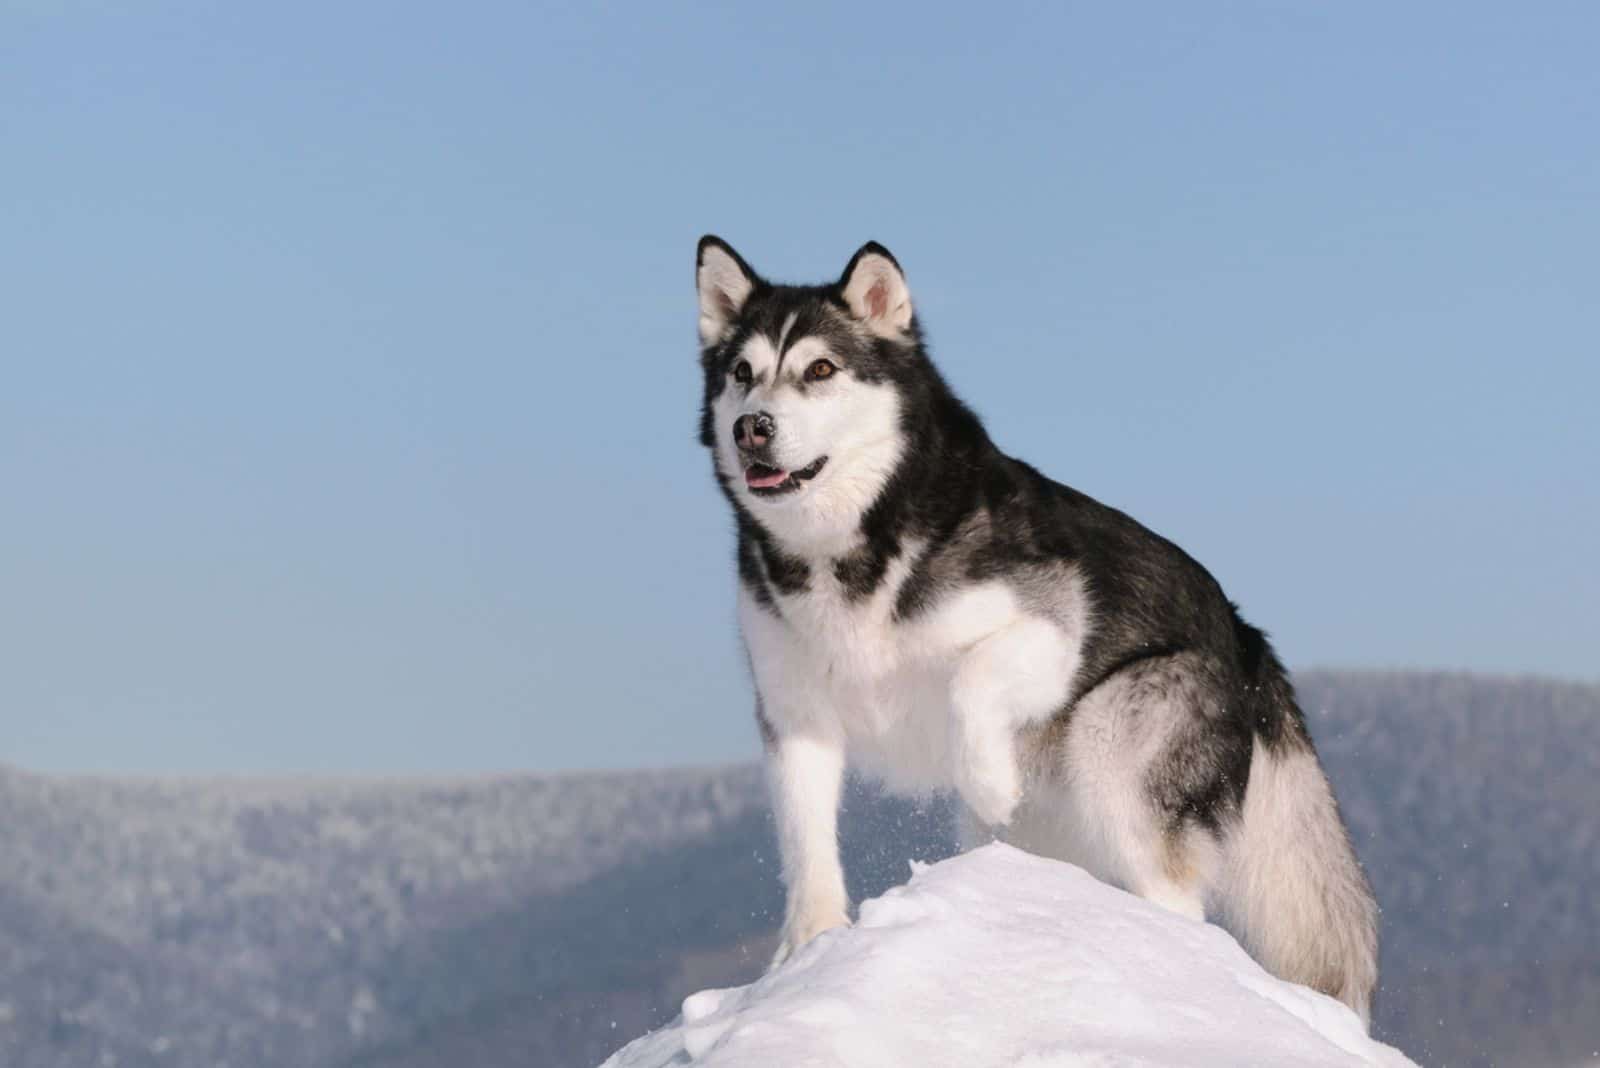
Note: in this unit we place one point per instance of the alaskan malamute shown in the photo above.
(943, 616)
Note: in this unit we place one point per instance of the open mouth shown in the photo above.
(765, 481)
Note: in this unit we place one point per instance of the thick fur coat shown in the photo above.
(944, 617)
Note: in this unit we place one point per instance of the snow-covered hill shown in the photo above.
(998, 957)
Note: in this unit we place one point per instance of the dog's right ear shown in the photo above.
(725, 282)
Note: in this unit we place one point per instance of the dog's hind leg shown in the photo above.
(1120, 839)
(1153, 771)
(1176, 873)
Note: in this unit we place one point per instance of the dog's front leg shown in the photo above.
(1019, 675)
(805, 772)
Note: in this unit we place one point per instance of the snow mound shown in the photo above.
(998, 957)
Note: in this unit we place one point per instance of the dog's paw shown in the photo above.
(991, 790)
(800, 929)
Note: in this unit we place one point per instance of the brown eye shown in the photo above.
(741, 372)
(819, 370)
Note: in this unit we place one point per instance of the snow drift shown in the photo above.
(998, 957)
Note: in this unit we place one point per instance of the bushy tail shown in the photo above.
(1294, 891)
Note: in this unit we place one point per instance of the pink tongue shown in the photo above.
(776, 478)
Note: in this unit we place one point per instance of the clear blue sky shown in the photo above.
(347, 361)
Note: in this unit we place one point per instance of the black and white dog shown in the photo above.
(944, 616)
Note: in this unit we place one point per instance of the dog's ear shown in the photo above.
(725, 282)
(875, 290)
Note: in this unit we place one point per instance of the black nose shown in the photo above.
(753, 431)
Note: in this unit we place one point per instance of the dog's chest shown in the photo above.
(856, 643)
(883, 681)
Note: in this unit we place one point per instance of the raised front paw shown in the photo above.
(991, 790)
(802, 928)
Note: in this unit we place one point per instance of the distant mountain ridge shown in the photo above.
(543, 920)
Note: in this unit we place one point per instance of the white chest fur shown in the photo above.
(847, 670)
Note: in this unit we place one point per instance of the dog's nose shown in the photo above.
(753, 431)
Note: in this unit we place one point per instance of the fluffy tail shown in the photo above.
(1294, 891)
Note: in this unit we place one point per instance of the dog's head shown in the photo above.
(802, 394)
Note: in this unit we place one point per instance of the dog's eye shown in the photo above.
(741, 372)
(819, 370)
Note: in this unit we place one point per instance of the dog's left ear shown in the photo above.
(875, 290)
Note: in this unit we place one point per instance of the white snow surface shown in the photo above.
(999, 957)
